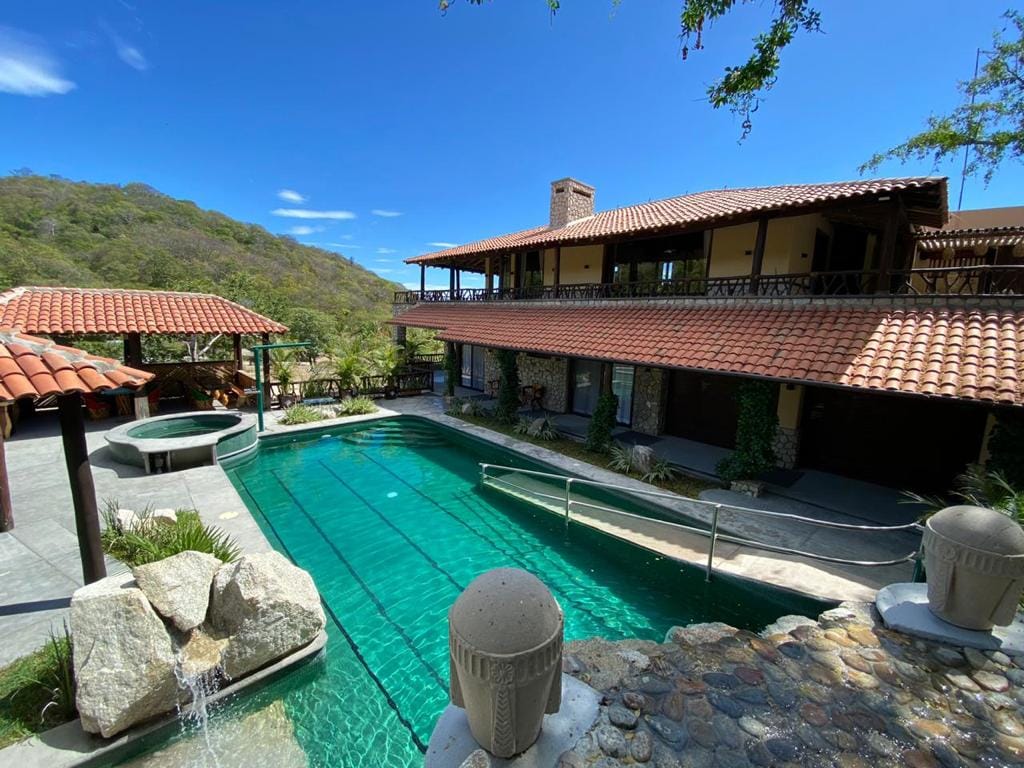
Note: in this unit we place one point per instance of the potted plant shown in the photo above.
(282, 368)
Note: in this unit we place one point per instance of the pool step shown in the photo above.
(398, 435)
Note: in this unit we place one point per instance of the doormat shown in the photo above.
(637, 438)
(784, 478)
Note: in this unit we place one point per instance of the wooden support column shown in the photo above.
(83, 493)
(423, 280)
(558, 269)
(606, 378)
(265, 339)
(6, 511)
(236, 343)
(451, 280)
(887, 252)
(458, 279)
(757, 261)
(133, 350)
(489, 275)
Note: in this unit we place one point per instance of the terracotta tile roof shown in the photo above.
(972, 354)
(31, 367)
(115, 310)
(700, 209)
(991, 227)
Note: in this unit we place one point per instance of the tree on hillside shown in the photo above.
(989, 122)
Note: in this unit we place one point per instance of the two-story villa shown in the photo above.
(895, 340)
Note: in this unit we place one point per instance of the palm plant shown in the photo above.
(981, 488)
(282, 367)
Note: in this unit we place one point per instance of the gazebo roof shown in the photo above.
(31, 367)
(48, 310)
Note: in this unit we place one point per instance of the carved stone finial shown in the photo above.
(505, 651)
(974, 559)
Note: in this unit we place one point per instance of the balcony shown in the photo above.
(983, 280)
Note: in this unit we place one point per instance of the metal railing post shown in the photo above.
(711, 544)
(568, 493)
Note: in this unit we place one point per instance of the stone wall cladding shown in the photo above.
(650, 398)
(787, 447)
(552, 373)
(571, 200)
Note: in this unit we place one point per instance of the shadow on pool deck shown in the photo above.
(39, 560)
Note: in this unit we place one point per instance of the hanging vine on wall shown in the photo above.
(755, 433)
(602, 422)
(451, 369)
(507, 410)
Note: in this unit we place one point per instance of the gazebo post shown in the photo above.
(6, 512)
(133, 349)
(236, 341)
(265, 340)
(83, 492)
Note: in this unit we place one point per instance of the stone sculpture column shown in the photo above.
(505, 651)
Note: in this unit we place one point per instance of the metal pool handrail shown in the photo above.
(716, 508)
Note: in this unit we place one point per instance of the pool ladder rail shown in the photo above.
(564, 504)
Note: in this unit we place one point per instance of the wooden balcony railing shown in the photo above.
(983, 280)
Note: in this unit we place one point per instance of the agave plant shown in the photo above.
(621, 458)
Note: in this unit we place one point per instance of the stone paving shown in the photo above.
(842, 692)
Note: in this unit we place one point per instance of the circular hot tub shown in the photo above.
(182, 440)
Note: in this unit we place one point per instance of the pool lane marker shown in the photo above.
(366, 588)
(391, 525)
(348, 638)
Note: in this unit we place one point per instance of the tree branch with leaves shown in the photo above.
(989, 122)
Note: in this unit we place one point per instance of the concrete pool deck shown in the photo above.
(40, 564)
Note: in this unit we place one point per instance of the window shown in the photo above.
(472, 372)
(663, 259)
(622, 386)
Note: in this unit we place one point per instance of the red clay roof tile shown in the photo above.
(31, 367)
(102, 310)
(866, 347)
(703, 208)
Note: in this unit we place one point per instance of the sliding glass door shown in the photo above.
(586, 388)
(622, 386)
(472, 373)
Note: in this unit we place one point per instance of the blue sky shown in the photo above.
(409, 128)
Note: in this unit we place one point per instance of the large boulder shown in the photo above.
(179, 586)
(123, 656)
(267, 607)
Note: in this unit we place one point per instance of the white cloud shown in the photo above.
(302, 213)
(291, 196)
(26, 68)
(386, 250)
(383, 271)
(442, 244)
(429, 286)
(384, 261)
(303, 229)
(385, 213)
(127, 52)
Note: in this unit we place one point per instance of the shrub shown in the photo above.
(541, 428)
(355, 406)
(451, 369)
(599, 433)
(980, 488)
(621, 458)
(755, 433)
(660, 471)
(300, 414)
(507, 409)
(149, 541)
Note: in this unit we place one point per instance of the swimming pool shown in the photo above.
(389, 518)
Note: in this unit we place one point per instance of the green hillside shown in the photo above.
(57, 232)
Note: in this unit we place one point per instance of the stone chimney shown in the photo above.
(571, 200)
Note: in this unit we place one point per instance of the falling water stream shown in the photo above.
(194, 714)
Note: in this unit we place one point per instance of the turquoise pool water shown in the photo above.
(390, 520)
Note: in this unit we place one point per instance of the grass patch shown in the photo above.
(684, 485)
(37, 692)
(150, 540)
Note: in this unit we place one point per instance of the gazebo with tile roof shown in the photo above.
(32, 368)
(131, 313)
